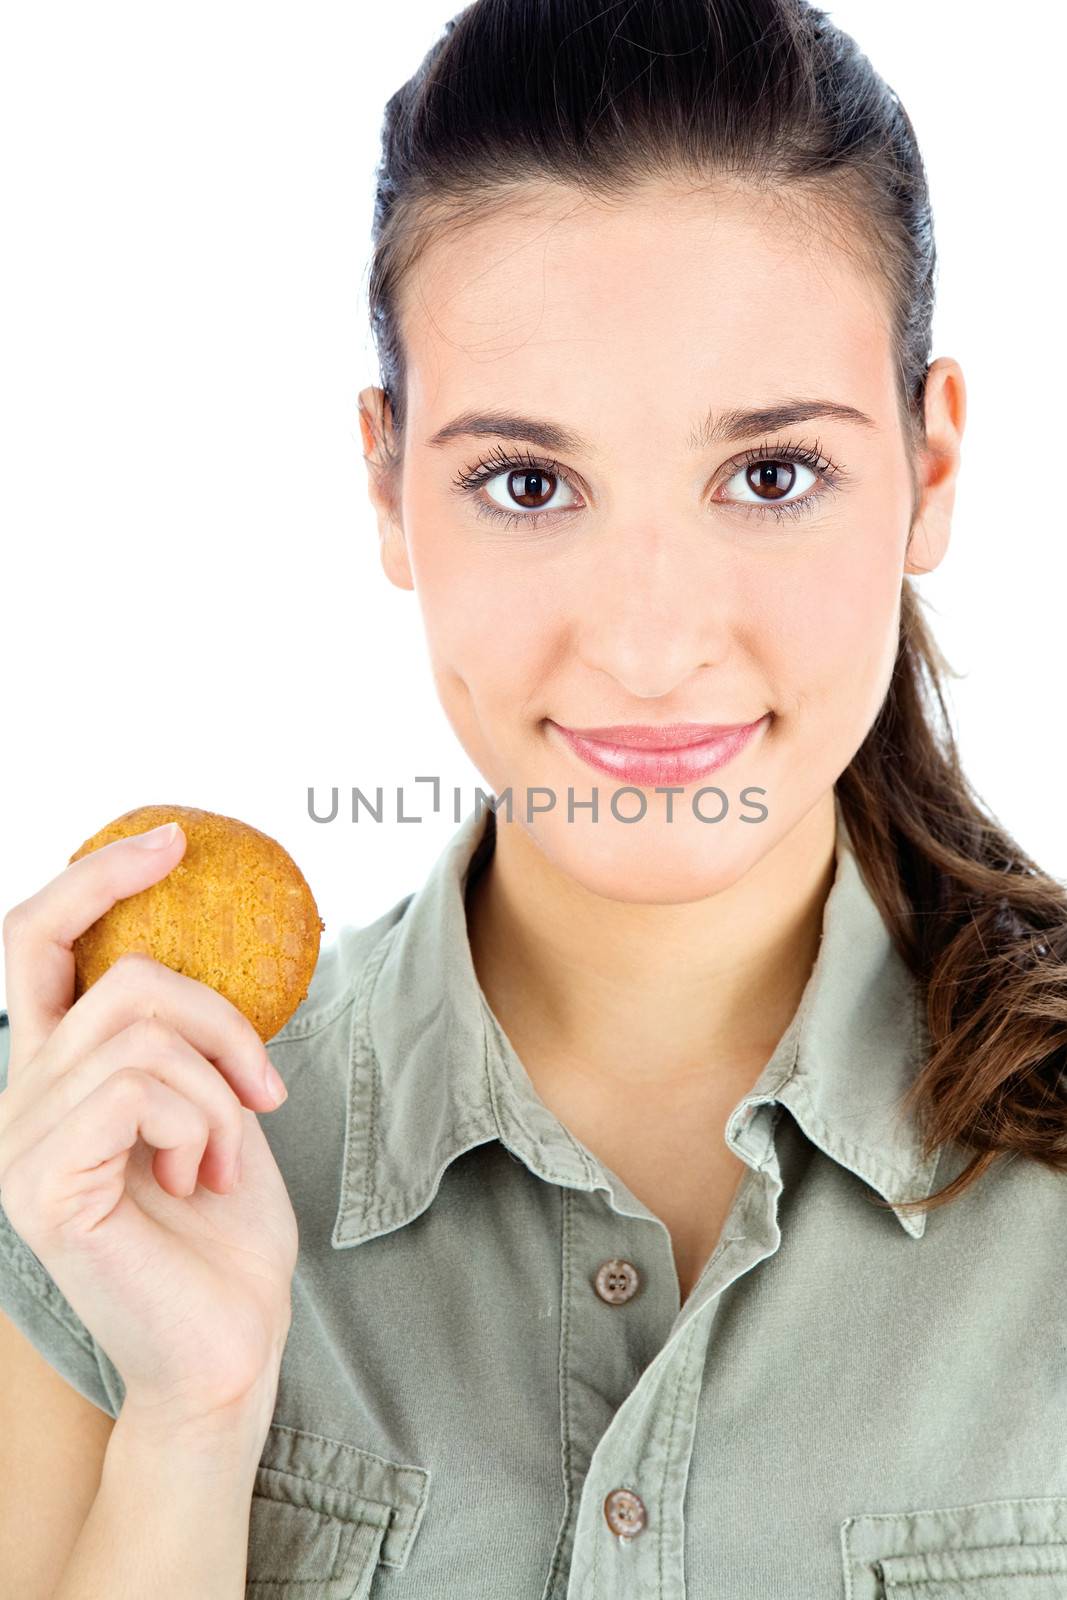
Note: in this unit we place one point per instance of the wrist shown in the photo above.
(227, 1441)
(172, 1513)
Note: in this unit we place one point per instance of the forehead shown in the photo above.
(701, 297)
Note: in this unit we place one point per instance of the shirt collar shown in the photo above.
(432, 1074)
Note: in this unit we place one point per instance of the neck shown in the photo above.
(618, 994)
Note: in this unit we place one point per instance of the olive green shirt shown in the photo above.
(491, 1389)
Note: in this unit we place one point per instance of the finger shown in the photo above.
(39, 933)
(153, 1047)
(136, 985)
(71, 1181)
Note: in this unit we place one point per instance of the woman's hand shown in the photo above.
(118, 1104)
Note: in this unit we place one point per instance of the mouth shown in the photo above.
(649, 755)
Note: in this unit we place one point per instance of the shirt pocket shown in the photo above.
(1012, 1549)
(326, 1515)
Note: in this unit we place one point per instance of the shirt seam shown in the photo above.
(361, 1047)
(566, 1453)
(683, 1365)
(550, 1171)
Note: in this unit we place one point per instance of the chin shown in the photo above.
(651, 862)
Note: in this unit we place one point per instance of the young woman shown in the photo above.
(646, 1216)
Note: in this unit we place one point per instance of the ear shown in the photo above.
(383, 483)
(939, 464)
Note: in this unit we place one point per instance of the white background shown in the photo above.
(193, 611)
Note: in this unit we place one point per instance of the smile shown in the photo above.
(649, 755)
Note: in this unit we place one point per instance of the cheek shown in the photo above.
(829, 623)
(491, 630)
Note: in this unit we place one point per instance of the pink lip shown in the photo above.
(643, 754)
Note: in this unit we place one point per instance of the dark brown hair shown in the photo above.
(771, 96)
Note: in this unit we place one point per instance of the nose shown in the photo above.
(653, 610)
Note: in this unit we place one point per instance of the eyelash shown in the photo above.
(500, 461)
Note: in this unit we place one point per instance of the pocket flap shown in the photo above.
(326, 1512)
(986, 1544)
(987, 1572)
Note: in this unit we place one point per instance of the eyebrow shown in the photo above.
(715, 428)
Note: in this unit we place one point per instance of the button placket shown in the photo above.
(650, 1438)
(605, 1347)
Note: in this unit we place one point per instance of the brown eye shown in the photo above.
(770, 480)
(530, 489)
(521, 490)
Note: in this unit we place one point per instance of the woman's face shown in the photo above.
(665, 562)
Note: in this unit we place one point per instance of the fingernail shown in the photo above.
(274, 1086)
(157, 838)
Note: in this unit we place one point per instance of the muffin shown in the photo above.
(236, 913)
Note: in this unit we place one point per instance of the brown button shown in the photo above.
(625, 1513)
(617, 1281)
